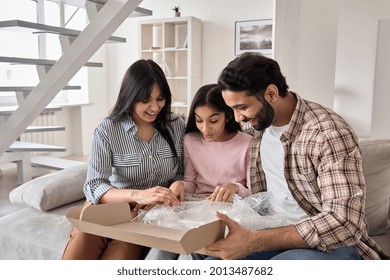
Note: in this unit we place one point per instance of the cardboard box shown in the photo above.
(115, 221)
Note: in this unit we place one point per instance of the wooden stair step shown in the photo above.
(35, 61)
(20, 146)
(21, 25)
(35, 128)
(53, 162)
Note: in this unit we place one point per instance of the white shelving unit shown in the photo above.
(176, 45)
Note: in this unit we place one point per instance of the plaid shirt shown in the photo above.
(323, 169)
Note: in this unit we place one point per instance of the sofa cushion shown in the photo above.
(52, 190)
(29, 234)
(376, 166)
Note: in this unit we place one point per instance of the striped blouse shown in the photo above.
(120, 159)
(323, 170)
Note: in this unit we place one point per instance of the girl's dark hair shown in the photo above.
(211, 95)
(137, 85)
(252, 72)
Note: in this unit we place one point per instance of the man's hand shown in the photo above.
(237, 243)
(241, 242)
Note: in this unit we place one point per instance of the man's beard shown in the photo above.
(264, 117)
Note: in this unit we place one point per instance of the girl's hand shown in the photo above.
(156, 195)
(178, 188)
(224, 192)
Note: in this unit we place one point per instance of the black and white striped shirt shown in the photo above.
(120, 159)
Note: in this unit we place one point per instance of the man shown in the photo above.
(308, 160)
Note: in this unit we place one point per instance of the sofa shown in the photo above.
(39, 230)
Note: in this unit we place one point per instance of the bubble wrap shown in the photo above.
(253, 212)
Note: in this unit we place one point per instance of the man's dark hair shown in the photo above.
(252, 72)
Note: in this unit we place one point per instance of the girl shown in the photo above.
(216, 152)
(136, 154)
(216, 155)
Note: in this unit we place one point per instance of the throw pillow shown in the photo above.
(52, 190)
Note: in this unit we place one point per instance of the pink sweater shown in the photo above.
(209, 164)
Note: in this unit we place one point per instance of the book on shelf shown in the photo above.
(170, 71)
(185, 44)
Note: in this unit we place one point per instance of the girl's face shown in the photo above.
(211, 123)
(146, 111)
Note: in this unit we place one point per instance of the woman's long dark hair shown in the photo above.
(211, 95)
(137, 85)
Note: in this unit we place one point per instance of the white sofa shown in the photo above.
(376, 166)
(41, 231)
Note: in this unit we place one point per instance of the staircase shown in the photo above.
(105, 16)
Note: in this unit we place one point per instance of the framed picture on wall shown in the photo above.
(253, 36)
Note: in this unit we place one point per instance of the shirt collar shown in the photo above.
(129, 125)
(296, 119)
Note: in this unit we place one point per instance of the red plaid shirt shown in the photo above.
(323, 169)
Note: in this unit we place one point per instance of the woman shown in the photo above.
(136, 154)
(216, 152)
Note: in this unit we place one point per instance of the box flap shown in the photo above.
(107, 214)
(102, 214)
(114, 221)
(205, 235)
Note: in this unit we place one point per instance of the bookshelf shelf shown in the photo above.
(176, 45)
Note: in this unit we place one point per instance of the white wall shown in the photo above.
(218, 17)
(380, 115)
(328, 52)
(326, 49)
(356, 60)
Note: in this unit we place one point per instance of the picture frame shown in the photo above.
(254, 36)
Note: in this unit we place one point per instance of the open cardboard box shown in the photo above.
(115, 221)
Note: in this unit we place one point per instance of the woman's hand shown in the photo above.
(178, 188)
(224, 192)
(156, 195)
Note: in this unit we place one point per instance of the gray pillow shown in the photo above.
(52, 190)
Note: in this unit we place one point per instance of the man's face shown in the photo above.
(249, 109)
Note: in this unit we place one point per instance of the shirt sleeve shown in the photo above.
(339, 220)
(244, 191)
(178, 132)
(190, 173)
(99, 168)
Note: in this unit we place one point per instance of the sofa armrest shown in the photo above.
(376, 167)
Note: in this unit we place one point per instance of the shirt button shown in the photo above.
(150, 156)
